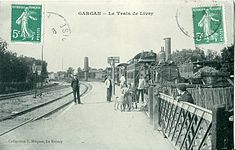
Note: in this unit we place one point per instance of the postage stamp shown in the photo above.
(26, 23)
(208, 25)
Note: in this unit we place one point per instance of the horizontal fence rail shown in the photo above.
(187, 126)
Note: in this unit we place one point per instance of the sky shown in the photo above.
(100, 36)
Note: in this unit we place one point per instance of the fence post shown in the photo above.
(150, 103)
(219, 128)
(156, 111)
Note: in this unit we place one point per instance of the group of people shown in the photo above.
(140, 88)
(125, 90)
(183, 94)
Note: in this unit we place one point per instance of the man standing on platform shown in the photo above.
(76, 87)
(141, 84)
(109, 88)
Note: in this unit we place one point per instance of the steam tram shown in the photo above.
(156, 68)
(159, 69)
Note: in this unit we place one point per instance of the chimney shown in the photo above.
(168, 48)
(86, 68)
(86, 64)
(162, 49)
(161, 55)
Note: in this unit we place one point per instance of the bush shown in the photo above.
(9, 87)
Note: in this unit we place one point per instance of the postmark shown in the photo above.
(26, 23)
(58, 25)
(179, 22)
(215, 34)
(208, 25)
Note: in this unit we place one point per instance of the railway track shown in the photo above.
(19, 94)
(88, 87)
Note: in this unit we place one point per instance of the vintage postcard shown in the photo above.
(117, 75)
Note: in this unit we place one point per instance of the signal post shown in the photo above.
(112, 61)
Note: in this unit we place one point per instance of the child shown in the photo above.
(124, 96)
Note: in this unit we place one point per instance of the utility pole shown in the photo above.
(34, 70)
(41, 75)
(113, 77)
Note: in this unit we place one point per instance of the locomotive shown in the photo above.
(156, 68)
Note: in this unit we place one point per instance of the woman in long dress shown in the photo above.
(23, 20)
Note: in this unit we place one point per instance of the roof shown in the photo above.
(146, 56)
(122, 64)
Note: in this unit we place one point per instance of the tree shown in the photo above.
(17, 69)
(227, 60)
(69, 72)
(187, 55)
(3, 45)
(212, 55)
(79, 70)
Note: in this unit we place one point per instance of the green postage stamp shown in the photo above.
(208, 25)
(26, 23)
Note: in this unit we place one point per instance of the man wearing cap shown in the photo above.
(75, 87)
(184, 95)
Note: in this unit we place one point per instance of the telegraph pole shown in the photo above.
(34, 70)
(113, 77)
(41, 75)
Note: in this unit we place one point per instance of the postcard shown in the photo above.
(117, 75)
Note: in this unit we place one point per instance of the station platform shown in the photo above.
(93, 125)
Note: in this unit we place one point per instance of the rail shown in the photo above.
(186, 125)
(19, 94)
(88, 87)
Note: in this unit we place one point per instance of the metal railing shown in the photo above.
(187, 126)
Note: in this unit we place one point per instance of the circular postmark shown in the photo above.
(58, 25)
(203, 24)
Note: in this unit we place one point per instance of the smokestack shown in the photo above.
(161, 55)
(168, 48)
(86, 68)
(162, 49)
(86, 64)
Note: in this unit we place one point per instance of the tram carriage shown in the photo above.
(132, 73)
(140, 65)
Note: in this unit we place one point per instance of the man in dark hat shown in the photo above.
(184, 95)
(75, 87)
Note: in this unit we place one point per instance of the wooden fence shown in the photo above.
(208, 97)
